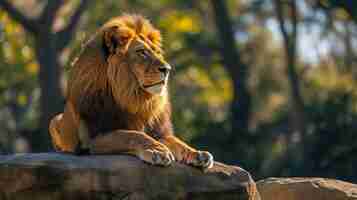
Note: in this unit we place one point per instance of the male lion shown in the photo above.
(117, 98)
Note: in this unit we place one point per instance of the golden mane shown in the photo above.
(93, 72)
(139, 25)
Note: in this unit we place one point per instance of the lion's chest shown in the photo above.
(103, 115)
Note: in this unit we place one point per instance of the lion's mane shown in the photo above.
(92, 75)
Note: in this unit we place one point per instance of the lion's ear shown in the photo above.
(115, 37)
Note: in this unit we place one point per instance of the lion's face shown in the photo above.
(148, 66)
(140, 50)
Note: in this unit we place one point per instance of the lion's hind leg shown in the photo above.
(62, 140)
(55, 135)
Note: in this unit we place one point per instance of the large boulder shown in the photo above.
(60, 176)
(306, 189)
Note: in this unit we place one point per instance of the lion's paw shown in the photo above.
(203, 160)
(155, 157)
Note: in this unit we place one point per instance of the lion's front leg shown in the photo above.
(135, 143)
(187, 154)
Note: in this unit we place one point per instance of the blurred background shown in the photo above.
(269, 85)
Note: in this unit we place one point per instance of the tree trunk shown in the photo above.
(290, 39)
(241, 105)
(51, 99)
(48, 46)
(298, 107)
(297, 116)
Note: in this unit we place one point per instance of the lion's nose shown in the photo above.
(165, 69)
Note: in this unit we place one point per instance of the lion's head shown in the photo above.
(126, 54)
(131, 41)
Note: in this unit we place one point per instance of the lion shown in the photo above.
(117, 98)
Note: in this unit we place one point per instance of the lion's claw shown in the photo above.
(155, 157)
(204, 160)
(161, 158)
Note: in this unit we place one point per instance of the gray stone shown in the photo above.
(62, 176)
(306, 189)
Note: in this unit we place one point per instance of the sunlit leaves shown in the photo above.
(32, 68)
(180, 22)
(18, 69)
(215, 85)
(175, 25)
(15, 49)
(327, 80)
(342, 14)
(22, 99)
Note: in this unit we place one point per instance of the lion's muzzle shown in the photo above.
(160, 87)
(165, 69)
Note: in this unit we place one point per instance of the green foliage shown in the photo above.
(18, 87)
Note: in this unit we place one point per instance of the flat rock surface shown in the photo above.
(63, 176)
(306, 189)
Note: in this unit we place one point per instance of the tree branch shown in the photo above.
(65, 35)
(29, 24)
(280, 16)
(49, 12)
(294, 20)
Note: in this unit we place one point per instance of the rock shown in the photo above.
(62, 176)
(306, 189)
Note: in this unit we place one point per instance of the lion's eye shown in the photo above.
(143, 53)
